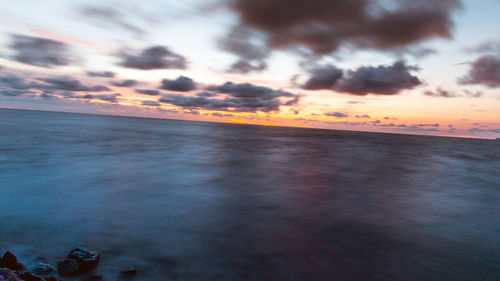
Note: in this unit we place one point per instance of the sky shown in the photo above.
(400, 66)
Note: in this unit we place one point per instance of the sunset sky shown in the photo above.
(401, 66)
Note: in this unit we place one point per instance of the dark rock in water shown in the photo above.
(43, 268)
(86, 259)
(68, 267)
(26, 276)
(129, 273)
(9, 261)
(8, 275)
(51, 278)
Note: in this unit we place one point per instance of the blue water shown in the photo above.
(185, 200)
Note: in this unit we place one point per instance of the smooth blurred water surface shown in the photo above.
(203, 201)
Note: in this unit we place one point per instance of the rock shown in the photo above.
(86, 259)
(26, 276)
(9, 261)
(129, 273)
(43, 268)
(68, 267)
(51, 278)
(8, 275)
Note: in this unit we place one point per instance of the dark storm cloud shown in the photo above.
(239, 98)
(155, 57)
(323, 78)
(68, 84)
(337, 114)
(440, 93)
(325, 25)
(124, 83)
(111, 17)
(181, 84)
(40, 51)
(251, 55)
(150, 103)
(147, 92)
(105, 74)
(485, 71)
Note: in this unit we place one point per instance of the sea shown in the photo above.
(182, 200)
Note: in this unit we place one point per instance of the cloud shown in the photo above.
(244, 67)
(238, 98)
(108, 98)
(363, 116)
(337, 114)
(105, 74)
(380, 80)
(217, 114)
(426, 125)
(251, 55)
(247, 90)
(14, 82)
(440, 93)
(105, 97)
(147, 92)
(390, 125)
(476, 94)
(150, 103)
(420, 52)
(155, 57)
(477, 130)
(490, 46)
(111, 17)
(181, 84)
(325, 25)
(343, 123)
(485, 71)
(53, 87)
(207, 94)
(66, 83)
(40, 51)
(12, 92)
(323, 78)
(124, 83)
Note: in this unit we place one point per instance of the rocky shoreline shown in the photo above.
(80, 263)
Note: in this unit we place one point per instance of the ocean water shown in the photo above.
(182, 200)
